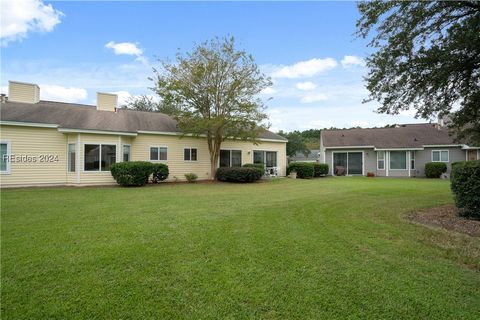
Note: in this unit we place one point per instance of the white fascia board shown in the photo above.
(166, 133)
(397, 149)
(443, 145)
(28, 124)
(117, 133)
(351, 147)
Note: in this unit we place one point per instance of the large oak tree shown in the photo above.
(427, 57)
(213, 91)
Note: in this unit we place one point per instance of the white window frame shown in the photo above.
(158, 153)
(384, 160)
(347, 152)
(407, 163)
(129, 153)
(68, 157)
(440, 156)
(412, 160)
(99, 156)
(189, 148)
(230, 150)
(8, 169)
(264, 157)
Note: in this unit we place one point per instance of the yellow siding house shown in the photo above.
(53, 143)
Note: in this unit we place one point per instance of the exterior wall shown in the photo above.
(422, 157)
(106, 101)
(35, 142)
(23, 92)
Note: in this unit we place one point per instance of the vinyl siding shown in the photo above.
(34, 142)
(423, 156)
(23, 92)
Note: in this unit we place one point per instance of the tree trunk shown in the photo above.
(214, 144)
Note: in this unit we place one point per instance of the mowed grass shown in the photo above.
(332, 248)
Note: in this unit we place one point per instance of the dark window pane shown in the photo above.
(194, 154)
(153, 153)
(258, 157)
(186, 154)
(3, 154)
(163, 153)
(109, 156)
(126, 153)
(398, 160)
(271, 159)
(236, 158)
(92, 157)
(71, 157)
(355, 164)
(224, 158)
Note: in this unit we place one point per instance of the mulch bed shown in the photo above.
(446, 217)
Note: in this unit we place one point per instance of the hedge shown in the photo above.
(238, 174)
(320, 169)
(259, 166)
(435, 169)
(304, 170)
(465, 184)
(131, 173)
(159, 172)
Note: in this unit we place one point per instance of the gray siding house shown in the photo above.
(400, 151)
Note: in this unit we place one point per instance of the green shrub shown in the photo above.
(191, 177)
(238, 174)
(465, 184)
(304, 170)
(131, 173)
(435, 169)
(320, 169)
(259, 166)
(159, 172)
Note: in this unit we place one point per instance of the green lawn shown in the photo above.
(324, 248)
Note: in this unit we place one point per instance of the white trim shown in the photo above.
(440, 156)
(63, 130)
(158, 153)
(68, 158)
(28, 124)
(130, 153)
(414, 159)
(8, 169)
(351, 147)
(265, 156)
(397, 149)
(347, 152)
(387, 163)
(99, 157)
(189, 148)
(443, 145)
(407, 165)
(384, 159)
(204, 136)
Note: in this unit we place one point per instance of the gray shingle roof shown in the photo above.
(87, 117)
(312, 156)
(403, 136)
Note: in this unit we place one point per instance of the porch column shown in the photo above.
(409, 167)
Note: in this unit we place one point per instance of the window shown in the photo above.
(99, 157)
(398, 160)
(412, 160)
(4, 153)
(190, 154)
(267, 158)
(126, 152)
(230, 158)
(440, 155)
(158, 153)
(381, 160)
(71, 157)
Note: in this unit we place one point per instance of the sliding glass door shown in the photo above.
(350, 163)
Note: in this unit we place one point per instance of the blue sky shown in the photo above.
(74, 49)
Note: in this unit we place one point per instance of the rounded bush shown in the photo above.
(465, 184)
(258, 166)
(159, 172)
(304, 170)
(238, 174)
(435, 169)
(131, 173)
(191, 177)
(320, 169)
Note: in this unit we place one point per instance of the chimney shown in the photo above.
(23, 92)
(3, 98)
(106, 101)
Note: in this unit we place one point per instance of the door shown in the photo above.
(347, 163)
(355, 163)
(472, 155)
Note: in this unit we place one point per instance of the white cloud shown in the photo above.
(314, 97)
(64, 94)
(351, 61)
(19, 17)
(318, 124)
(306, 86)
(123, 96)
(268, 90)
(307, 68)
